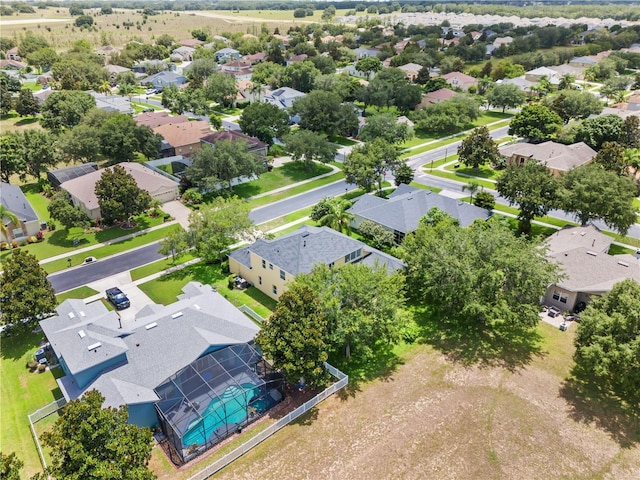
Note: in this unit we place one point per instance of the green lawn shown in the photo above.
(165, 289)
(425, 187)
(484, 171)
(557, 222)
(22, 392)
(619, 250)
(80, 292)
(111, 249)
(458, 177)
(291, 217)
(61, 241)
(38, 201)
(159, 266)
(258, 202)
(288, 174)
(433, 146)
(345, 142)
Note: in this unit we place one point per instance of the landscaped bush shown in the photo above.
(225, 266)
(276, 150)
(32, 365)
(4, 246)
(41, 367)
(14, 244)
(242, 104)
(40, 236)
(231, 283)
(32, 239)
(192, 197)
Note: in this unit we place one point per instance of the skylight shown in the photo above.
(93, 346)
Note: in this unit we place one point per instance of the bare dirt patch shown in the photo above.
(433, 418)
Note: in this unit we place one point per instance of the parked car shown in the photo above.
(117, 298)
(89, 260)
(145, 110)
(553, 312)
(151, 91)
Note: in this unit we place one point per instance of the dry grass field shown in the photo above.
(434, 417)
(56, 25)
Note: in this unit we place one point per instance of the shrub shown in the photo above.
(231, 283)
(14, 244)
(192, 196)
(484, 200)
(32, 239)
(32, 365)
(242, 104)
(276, 150)
(4, 246)
(40, 236)
(410, 332)
(23, 243)
(225, 266)
(41, 367)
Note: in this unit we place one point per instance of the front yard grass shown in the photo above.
(287, 174)
(80, 292)
(112, 249)
(484, 171)
(290, 192)
(345, 142)
(160, 266)
(164, 290)
(23, 392)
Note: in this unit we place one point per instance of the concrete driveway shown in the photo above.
(178, 211)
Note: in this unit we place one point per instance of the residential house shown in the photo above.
(363, 52)
(156, 119)
(557, 157)
(61, 175)
(282, 38)
(6, 64)
(521, 82)
(158, 65)
(114, 71)
(489, 51)
(106, 51)
(297, 59)
(283, 97)
(112, 103)
(168, 366)
(164, 79)
(12, 54)
(191, 43)
(182, 54)
(402, 211)
(586, 267)
(255, 58)
(460, 80)
(227, 54)
(183, 138)
(270, 264)
(14, 200)
(583, 62)
(565, 68)
(254, 145)
(411, 71)
(538, 74)
(42, 95)
(449, 42)
(500, 41)
(238, 69)
(436, 96)
(83, 195)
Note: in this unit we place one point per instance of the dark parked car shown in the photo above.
(553, 312)
(117, 298)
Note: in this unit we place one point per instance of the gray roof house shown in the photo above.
(14, 200)
(402, 212)
(164, 79)
(112, 103)
(283, 97)
(587, 268)
(558, 158)
(270, 264)
(227, 54)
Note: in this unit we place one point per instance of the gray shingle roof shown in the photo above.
(203, 318)
(554, 155)
(404, 209)
(299, 251)
(14, 200)
(570, 238)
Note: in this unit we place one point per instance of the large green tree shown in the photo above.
(368, 164)
(294, 336)
(478, 148)
(482, 274)
(25, 293)
(61, 210)
(532, 187)
(573, 104)
(119, 196)
(363, 306)
(535, 122)
(369, 65)
(95, 443)
(506, 95)
(264, 121)
(218, 165)
(79, 144)
(607, 341)
(591, 193)
(598, 130)
(26, 104)
(385, 126)
(65, 109)
(308, 147)
(13, 161)
(10, 466)
(322, 111)
(218, 225)
(336, 215)
(300, 76)
(221, 89)
(451, 116)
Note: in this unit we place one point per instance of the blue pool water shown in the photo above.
(234, 400)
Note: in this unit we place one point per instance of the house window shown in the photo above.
(556, 296)
(274, 289)
(271, 266)
(260, 280)
(563, 299)
(352, 256)
(264, 264)
(282, 275)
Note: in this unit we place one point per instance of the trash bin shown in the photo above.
(43, 225)
(39, 354)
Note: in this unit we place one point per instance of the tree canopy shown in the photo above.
(385, 126)
(61, 209)
(294, 336)
(95, 443)
(368, 164)
(65, 109)
(478, 148)
(307, 146)
(607, 345)
(264, 121)
(119, 196)
(535, 122)
(572, 104)
(482, 274)
(218, 225)
(25, 293)
(322, 111)
(506, 95)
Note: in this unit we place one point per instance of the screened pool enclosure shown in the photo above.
(215, 396)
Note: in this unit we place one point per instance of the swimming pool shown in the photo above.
(233, 400)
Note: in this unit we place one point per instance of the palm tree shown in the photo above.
(566, 81)
(8, 218)
(472, 187)
(256, 88)
(104, 87)
(338, 218)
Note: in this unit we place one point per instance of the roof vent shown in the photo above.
(82, 314)
(592, 253)
(306, 234)
(624, 264)
(151, 325)
(72, 315)
(93, 346)
(81, 334)
(176, 315)
(582, 234)
(196, 306)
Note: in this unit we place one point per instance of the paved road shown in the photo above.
(76, 277)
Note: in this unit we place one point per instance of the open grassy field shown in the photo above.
(287, 174)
